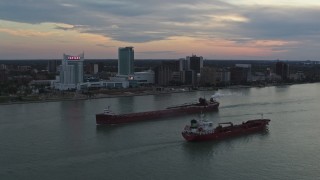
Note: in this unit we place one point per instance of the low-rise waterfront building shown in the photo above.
(144, 77)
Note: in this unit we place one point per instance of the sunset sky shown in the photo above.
(161, 29)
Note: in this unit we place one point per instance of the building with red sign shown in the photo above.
(71, 72)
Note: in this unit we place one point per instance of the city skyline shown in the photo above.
(231, 29)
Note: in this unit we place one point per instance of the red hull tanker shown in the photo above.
(204, 130)
(109, 118)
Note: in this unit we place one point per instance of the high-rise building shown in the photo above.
(95, 68)
(195, 63)
(71, 73)
(163, 75)
(3, 67)
(240, 73)
(189, 77)
(125, 61)
(183, 64)
(52, 66)
(3, 75)
(223, 76)
(282, 70)
(208, 76)
(165, 72)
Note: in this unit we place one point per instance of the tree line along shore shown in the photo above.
(103, 93)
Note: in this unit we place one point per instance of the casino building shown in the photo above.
(71, 76)
(71, 72)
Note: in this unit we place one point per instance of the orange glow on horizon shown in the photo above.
(54, 42)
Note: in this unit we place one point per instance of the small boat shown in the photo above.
(201, 130)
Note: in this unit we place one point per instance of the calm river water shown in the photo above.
(60, 140)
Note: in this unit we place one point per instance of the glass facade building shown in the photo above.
(125, 61)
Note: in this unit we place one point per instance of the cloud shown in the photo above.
(104, 46)
(114, 26)
(32, 11)
(67, 27)
(68, 5)
(26, 33)
(239, 24)
(281, 23)
(120, 20)
(156, 52)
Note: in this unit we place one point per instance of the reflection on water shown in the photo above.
(73, 122)
(125, 104)
(105, 130)
(60, 140)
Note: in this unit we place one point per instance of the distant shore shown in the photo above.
(124, 93)
(95, 96)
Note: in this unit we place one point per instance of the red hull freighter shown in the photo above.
(203, 130)
(109, 118)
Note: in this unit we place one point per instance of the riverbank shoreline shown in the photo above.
(97, 96)
(127, 93)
